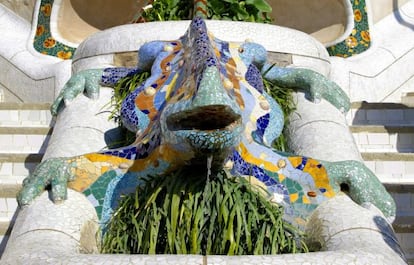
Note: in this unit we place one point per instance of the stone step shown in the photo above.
(5, 230)
(364, 113)
(404, 199)
(8, 210)
(25, 114)
(384, 138)
(407, 99)
(8, 206)
(404, 222)
(391, 167)
(25, 129)
(15, 167)
(24, 139)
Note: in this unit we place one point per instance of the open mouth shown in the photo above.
(205, 118)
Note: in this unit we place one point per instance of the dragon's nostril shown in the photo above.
(206, 118)
(344, 187)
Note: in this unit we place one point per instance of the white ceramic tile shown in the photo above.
(393, 139)
(4, 217)
(23, 169)
(349, 117)
(6, 169)
(4, 115)
(363, 138)
(3, 205)
(393, 167)
(11, 204)
(379, 167)
(378, 138)
(14, 115)
(371, 165)
(5, 142)
(409, 167)
(12, 179)
(19, 140)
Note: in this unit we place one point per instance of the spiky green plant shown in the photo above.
(236, 10)
(164, 10)
(185, 213)
(283, 96)
(122, 89)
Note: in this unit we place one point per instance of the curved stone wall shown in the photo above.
(85, 19)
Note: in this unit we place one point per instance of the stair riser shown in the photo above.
(406, 241)
(23, 143)
(380, 117)
(3, 238)
(384, 142)
(405, 204)
(392, 171)
(25, 118)
(14, 173)
(8, 207)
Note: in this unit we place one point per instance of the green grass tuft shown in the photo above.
(283, 96)
(187, 214)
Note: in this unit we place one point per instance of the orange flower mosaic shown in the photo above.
(365, 35)
(43, 41)
(64, 55)
(357, 15)
(46, 9)
(40, 30)
(351, 42)
(49, 43)
(359, 40)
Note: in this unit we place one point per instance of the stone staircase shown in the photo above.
(24, 133)
(384, 133)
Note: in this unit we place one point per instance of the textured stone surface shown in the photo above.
(85, 117)
(30, 76)
(385, 70)
(23, 8)
(307, 52)
(351, 235)
(320, 130)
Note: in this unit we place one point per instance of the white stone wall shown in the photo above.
(23, 8)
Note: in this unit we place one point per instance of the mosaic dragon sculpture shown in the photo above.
(205, 98)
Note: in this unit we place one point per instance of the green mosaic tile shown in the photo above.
(44, 42)
(359, 40)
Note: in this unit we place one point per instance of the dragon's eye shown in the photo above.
(241, 50)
